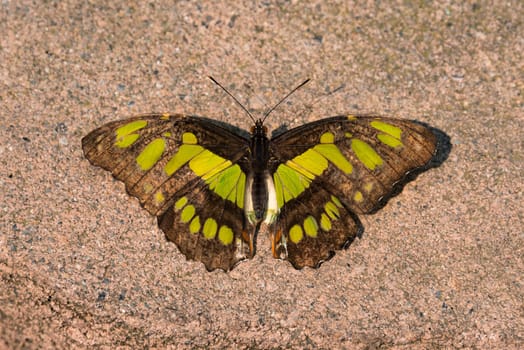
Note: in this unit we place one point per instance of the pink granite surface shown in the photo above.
(82, 265)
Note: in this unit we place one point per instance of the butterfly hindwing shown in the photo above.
(215, 227)
(327, 172)
(313, 226)
(188, 171)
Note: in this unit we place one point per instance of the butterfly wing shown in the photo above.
(327, 172)
(188, 171)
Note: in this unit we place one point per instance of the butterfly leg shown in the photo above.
(278, 244)
(275, 242)
(246, 237)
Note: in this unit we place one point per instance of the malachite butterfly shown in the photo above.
(214, 187)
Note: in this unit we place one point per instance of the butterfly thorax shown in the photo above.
(259, 148)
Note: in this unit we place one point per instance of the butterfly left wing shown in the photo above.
(327, 172)
(188, 171)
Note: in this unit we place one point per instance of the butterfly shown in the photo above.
(214, 187)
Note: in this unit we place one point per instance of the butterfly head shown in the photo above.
(259, 129)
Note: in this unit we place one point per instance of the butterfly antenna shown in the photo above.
(284, 98)
(233, 97)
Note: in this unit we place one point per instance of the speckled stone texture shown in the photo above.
(82, 265)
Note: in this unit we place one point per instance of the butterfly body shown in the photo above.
(212, 187)
(258, 174)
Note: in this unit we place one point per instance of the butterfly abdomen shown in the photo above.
(259, 195)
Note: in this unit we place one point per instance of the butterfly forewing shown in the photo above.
(328, 171)
(188, 171)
